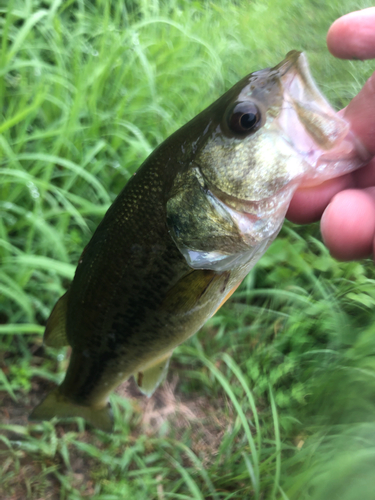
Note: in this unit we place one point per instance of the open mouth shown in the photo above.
(320, 136)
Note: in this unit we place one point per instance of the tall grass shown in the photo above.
(274, 397)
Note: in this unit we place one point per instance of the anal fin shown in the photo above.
(55, 333)
(148, 380)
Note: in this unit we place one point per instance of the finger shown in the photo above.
(361, 114)
(365, 176)
(348, 224)
(308, 204)
(353, 36)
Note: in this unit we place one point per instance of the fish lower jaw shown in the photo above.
(257, 229)
(258, 208)
(262, 223)
(257, 220)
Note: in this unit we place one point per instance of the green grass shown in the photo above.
(274, 398)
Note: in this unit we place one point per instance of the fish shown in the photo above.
(186, 230)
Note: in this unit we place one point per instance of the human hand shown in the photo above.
(346, 205)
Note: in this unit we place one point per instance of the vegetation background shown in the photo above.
(275, 396)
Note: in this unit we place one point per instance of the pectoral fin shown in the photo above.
(149, 379)
(55, 333)
(187, 292)
(228, 295)
(58, 405)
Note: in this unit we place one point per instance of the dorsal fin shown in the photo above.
(55, 333)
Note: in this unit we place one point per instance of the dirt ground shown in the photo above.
(29, 474)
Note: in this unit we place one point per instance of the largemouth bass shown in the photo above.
(186, 230)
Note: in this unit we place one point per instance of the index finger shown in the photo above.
(353, 36)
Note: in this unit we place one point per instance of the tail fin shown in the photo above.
(58, 405)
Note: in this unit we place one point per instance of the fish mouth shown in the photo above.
(321, 137)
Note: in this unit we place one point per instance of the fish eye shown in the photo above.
(245, 117)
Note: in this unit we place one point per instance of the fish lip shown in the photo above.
(254, 210)
(291, 59)
(257, 221)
